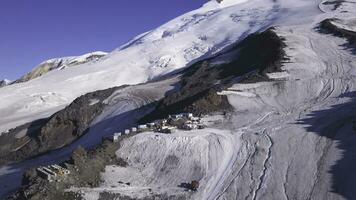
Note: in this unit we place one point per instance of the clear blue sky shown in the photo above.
(32, 31)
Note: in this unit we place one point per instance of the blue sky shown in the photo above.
(32, 31)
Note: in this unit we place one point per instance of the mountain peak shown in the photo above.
(4, 82)
(60, 64)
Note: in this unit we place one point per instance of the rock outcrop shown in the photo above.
(4, 83)
(249, 61)
(60, 64)
(59, 130)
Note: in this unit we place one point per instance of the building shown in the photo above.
(52, 172)
(164, 122)
(190, 126)
(115, 137)
(195, 119)
(187, 115)
(127, 131)
(142, 127)
(133, 129)
(178, 116)
(151, 125)
(168, 129)
(61, 171)
(44, 174)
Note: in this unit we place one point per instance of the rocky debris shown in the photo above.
(193, 186)
(252, 59)
(85, 167)
(59, 130)
(329, 26)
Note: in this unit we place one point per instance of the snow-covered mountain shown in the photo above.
(274, 82)
(170, 47)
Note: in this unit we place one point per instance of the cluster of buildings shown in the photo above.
(183, 121)
(52, 172)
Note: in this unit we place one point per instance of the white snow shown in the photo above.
(7, 81)
(161, 162)
(296, 162)
(121, 112)
(272, 146)
(73, 59)
(278, 75)
(168, 48)
(4, 82)
(284, 140)
(213, 4)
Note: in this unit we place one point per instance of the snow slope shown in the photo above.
(162, 162)
(160, 51)
(287, 139)
(123, 108)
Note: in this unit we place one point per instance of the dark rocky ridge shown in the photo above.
(57, 131)
(3, 83)
(327, 26)
(257, 55)
(336, 3)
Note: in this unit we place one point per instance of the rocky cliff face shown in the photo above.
(59, 130)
